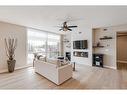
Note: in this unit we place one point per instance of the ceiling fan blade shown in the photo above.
(69, 29)
(72, 26)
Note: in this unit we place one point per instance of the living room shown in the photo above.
(67, 36)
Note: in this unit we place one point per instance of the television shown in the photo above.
(80, 44)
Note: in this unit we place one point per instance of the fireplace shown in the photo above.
(68, 55)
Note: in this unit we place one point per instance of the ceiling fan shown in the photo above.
(66, 27)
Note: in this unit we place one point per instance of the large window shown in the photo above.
(53, 45)
(39, 42)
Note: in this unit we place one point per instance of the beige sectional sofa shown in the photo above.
(54, 71)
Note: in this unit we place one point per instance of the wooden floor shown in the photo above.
(85, 77)
(121, 66)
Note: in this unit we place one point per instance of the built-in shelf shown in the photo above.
(98, 46)
(106, 38)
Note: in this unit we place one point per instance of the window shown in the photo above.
(53, 45)
(46, 44)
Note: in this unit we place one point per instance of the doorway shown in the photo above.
(122, 50)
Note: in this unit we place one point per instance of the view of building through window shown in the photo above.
(42, 43)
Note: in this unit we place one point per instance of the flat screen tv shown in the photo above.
(80, 44)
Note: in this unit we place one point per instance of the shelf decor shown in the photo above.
(66, 41)
(105, 38)
(98, 45)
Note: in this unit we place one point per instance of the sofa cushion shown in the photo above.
(42, 58)
(65, 63)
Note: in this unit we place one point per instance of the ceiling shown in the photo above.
(47, 17)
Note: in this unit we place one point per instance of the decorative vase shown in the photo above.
(11, 65)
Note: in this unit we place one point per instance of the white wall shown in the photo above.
(85, 35)
(66, 44)
(110, 49)
(14, 31)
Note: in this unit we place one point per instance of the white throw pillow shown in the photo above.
(42, 58)
(65, 63)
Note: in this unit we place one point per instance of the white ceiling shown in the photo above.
(47, 17)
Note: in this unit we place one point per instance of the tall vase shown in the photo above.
(11, 65)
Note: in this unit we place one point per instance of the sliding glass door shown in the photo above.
(53, 46)
(36, 43)
(40, 42)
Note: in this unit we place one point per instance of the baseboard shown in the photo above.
(109, 67)
(17, 68)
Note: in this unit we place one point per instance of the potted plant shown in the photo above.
(10, 46)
